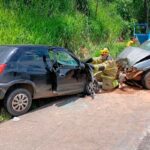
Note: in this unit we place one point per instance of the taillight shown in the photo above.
(2, 68)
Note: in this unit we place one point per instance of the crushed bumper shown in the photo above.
(134, 74)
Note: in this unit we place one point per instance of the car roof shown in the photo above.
(31, 46)
(23, 45)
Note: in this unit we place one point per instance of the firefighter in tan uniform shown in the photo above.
(132, 42)
(105, 70)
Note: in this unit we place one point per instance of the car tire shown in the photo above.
(96, 86)
(146, 80)
(18, 102)
(90, 86)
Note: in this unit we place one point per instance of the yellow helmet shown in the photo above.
(104, 51)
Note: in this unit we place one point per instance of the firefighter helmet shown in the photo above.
(104, 51)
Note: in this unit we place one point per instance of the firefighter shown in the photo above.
(105, 70)
(132, 42)
(104, 55)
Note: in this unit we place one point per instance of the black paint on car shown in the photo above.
(29, 72)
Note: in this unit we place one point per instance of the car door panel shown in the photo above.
(66, 80)
(31, 65)
(69, 75)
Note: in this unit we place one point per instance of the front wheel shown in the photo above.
(92, 87)
(96, 86)
(146, 80)
(18, 102)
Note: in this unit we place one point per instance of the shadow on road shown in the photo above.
(128, 90)
(57, 101)
(66, 101)
(40, 104)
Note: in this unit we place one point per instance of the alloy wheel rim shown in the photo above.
(90, 87)
(94, 86)
(20, 102)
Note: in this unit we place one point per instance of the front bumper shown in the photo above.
(134, 74)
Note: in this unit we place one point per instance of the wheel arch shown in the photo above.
(26, 86)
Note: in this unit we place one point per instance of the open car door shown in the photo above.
(69, 76)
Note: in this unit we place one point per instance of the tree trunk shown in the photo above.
(96, 8)
(146, 9)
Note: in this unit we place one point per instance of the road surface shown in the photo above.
(118, 120)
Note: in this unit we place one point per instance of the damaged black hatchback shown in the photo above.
(29, 72)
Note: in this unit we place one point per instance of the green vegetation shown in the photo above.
(60, 22)
(4, 115)
(93, 23)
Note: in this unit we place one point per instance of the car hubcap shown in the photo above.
(94, 86)
(90, 87)
(20, 102)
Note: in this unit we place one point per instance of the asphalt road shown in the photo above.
(118, 120)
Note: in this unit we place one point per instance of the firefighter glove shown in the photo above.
(101, 68)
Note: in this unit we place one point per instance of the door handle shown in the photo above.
(61, 75)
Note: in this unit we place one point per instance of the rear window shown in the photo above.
(5, 53)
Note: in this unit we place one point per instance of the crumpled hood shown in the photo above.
(133, 55)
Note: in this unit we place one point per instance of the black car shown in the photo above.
(29, 72)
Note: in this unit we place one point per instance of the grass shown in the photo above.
(4, 115)
(58, 23)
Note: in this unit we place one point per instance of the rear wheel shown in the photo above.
(146, 80)
(18, 102)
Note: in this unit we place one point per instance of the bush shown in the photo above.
(59, 23)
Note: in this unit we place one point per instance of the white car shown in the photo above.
(135, 62)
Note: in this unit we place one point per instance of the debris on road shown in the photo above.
(16, 119)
